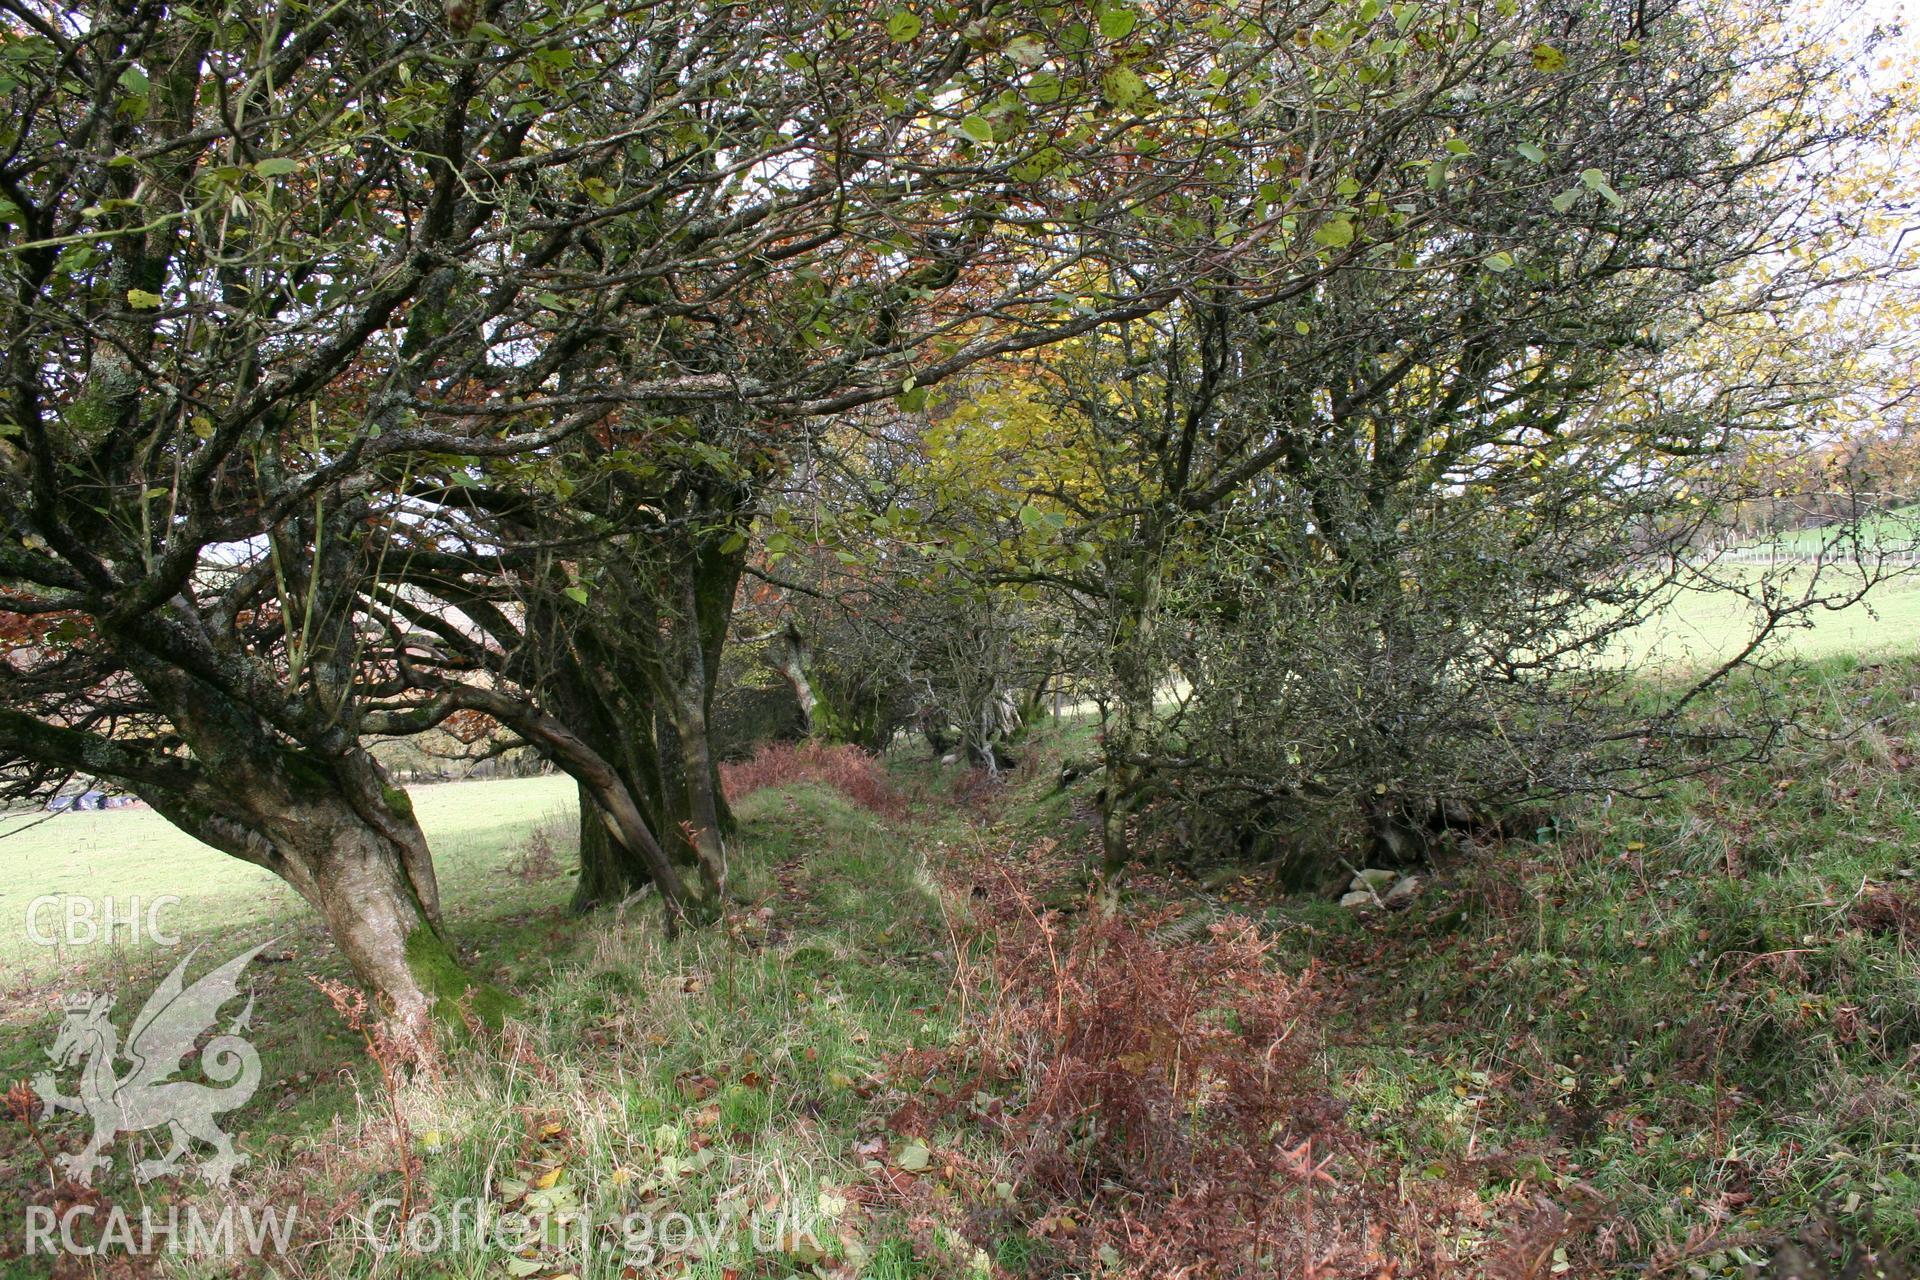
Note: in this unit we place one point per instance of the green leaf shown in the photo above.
(1117, 22)
(1596, 181)
(979, 128)
(134, 81)
(1027, 51)
(914, 1157)
(904, 25)
(1123, 87)
(576, 593)
(1044, 87)
(1500, 261)
(276, 166)
(734, 542)
(1036, 167)
(1302, 328)
(1564, 201)
(141, 300)
(1336, 233)
(1549, 59)
(1035, 520)
(1532, 151)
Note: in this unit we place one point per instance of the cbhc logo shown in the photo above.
(81, 922)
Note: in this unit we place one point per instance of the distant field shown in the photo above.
(1893, 531)
(1707, 627)
(135, 853)
(1702, 628)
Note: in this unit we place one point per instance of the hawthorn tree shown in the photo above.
(361, 372)
(1347, 527)
(975, 152)
(872, 606)
(225, 249)
(275, 280)
(283, 291)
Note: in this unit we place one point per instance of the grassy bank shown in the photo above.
(1693, 1022)
(1661, 1038)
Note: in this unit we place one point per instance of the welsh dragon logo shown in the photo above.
(144, 1096)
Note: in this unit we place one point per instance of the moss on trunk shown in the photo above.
(456, 996)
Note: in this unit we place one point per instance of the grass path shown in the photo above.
(650, 1075)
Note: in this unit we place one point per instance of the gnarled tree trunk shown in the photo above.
(361, 862)
(356, 877)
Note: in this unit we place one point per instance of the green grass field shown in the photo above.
(1692, 1017)
(1701, 628)
(130, 854)
(1705, 627)
(507, 925)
